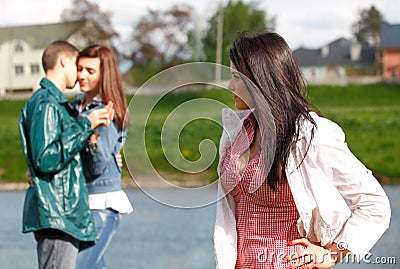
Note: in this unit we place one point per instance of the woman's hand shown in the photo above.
(110, 108)
(312, 257)
(102, 116)
(99, 117)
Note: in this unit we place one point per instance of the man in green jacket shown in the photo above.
(56, 205)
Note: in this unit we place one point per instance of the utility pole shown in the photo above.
(218, 58)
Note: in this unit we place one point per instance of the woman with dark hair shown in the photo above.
(101, 83)
(286, 172)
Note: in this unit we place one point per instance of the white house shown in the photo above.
(21, 49)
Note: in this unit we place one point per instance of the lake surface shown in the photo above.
(157, 236)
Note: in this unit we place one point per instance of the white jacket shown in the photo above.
(329, 176)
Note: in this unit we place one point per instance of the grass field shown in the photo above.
(369, 115)
(12, 162)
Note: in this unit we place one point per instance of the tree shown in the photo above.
(238, 17)
(86, 10)
(367, 30)
(160, 40)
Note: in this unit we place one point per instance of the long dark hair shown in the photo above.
(110, 86)
(277, 89)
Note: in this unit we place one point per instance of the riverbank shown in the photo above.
(129, 183)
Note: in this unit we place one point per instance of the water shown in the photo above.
(157, 236)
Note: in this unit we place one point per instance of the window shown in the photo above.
(19, 70)
(19, 49)
(35, 69)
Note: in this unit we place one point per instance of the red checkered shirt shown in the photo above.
(265, 219)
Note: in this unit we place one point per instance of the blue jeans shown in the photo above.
(91, 254)
(56, 249)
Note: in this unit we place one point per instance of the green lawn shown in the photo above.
(184, 121)
(369, 115)
(12, 162)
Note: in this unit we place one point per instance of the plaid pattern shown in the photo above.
(265, 219)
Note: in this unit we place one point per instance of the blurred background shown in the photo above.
(349, 53)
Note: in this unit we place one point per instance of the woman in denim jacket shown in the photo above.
(291, 194)
(100, 80)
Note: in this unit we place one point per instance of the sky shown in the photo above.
(305, 23)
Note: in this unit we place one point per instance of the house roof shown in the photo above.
(39, 36)
(337, 52)
(390, 36)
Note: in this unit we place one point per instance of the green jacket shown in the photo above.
(52, 137)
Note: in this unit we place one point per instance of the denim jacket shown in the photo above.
(109, 143)
(51, 139)
(320, 183)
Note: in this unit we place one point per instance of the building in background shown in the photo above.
(336, 61)
(344, 60)
(21, 49)
(390, 48)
